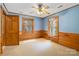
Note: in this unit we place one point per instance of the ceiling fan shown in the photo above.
(41, 9)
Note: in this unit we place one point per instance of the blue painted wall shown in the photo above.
(40, 23)
(45, 24)
(37, 23)
(68, 20)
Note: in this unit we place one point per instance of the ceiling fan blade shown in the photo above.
(45, 11)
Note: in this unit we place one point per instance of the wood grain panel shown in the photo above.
(69, 40)
(0, 46)
(54, 38)
(43, 34)
(3, 28)
(12, 30)
(0, 30)
(35, 34)
(25, 36)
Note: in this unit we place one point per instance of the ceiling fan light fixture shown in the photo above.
(42, 9)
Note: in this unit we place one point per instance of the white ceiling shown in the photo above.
(26, 8)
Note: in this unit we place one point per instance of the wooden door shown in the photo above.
(12, 30)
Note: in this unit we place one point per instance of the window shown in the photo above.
(53, 23)
(28, 25)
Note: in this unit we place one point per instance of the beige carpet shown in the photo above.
(38, 47)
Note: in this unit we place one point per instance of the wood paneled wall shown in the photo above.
(0, 31)
(9, 31)
(69, 39)
(3, 28)
(34, 34)
(12, 30)
(25, 36)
